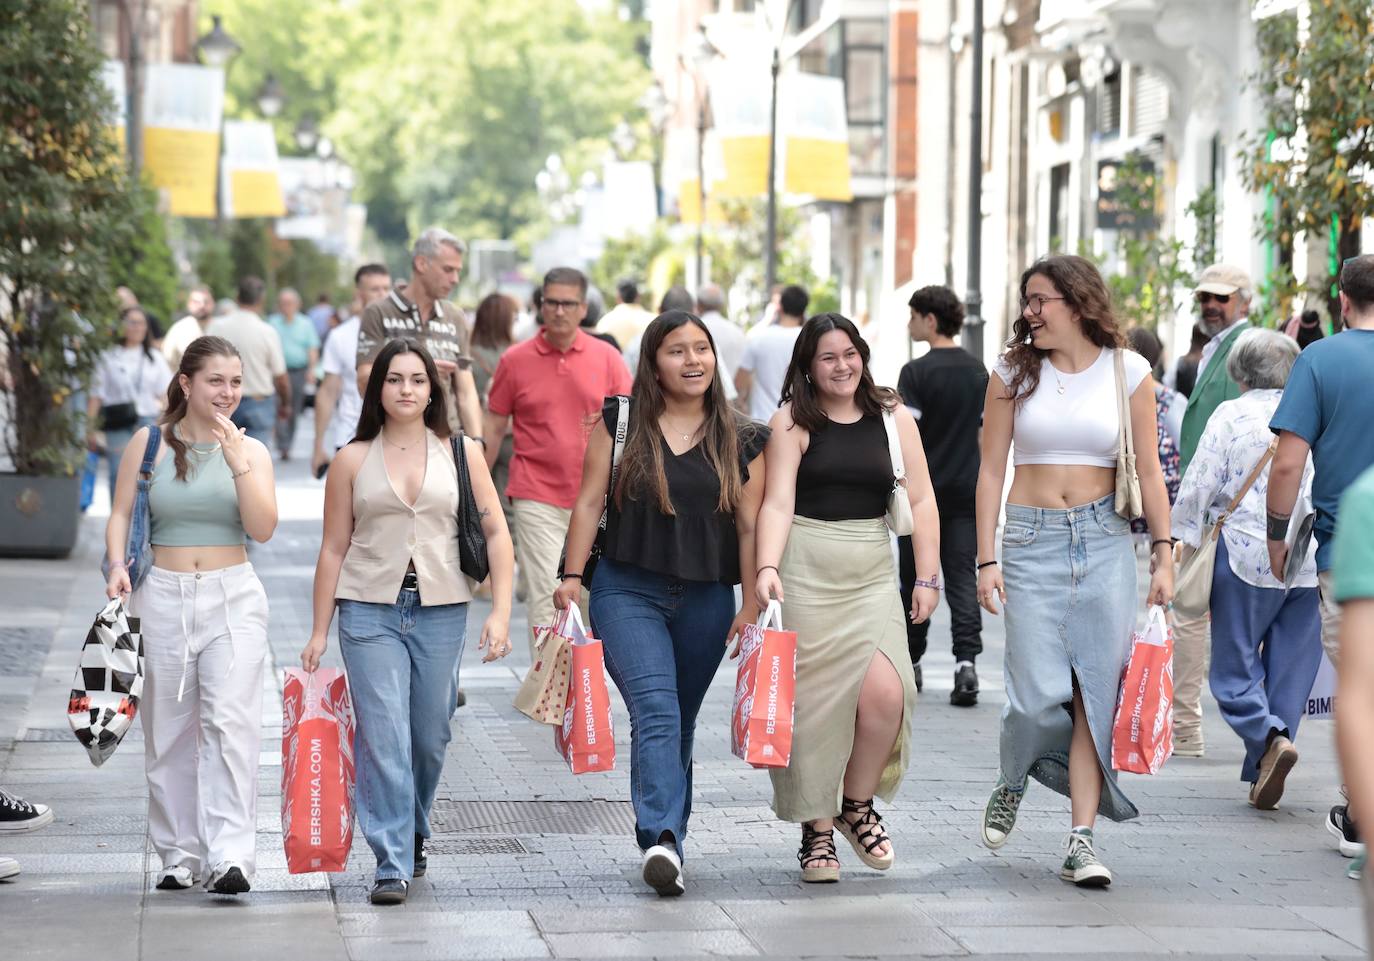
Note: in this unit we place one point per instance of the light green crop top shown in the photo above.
(201, 511)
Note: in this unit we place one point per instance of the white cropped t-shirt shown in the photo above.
(1079, 425)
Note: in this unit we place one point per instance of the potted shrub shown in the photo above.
(67, 208)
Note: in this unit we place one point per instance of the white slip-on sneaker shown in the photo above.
(227, 878)
(176, 877)
(663, 871)
(9, 867)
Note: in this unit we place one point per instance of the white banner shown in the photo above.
(182, 108)
(252, 184)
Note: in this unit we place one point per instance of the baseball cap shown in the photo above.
(1222, 279)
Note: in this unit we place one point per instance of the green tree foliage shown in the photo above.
(634, 257)
(1152, 266)
(737, 249)
(146, 266)
(445, 108)
(67, 206)
(1314, 156)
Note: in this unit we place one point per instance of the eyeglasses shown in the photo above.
(1036, 303)
(1206, 297)
(557, 305)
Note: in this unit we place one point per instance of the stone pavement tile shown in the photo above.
(442, 945)
(645, 944)
(99, 863)
(658, 914)
(1202, 941)
(1174, 914)
(1092, 941)
(37, 923)
(236, 929)
(1346, 923)
(1018, 911)
(842, 910)
(388, 922)
(871, 937)
(46, 842)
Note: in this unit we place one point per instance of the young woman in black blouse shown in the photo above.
(679, 536)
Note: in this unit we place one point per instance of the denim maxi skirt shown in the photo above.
(839, 592)
(1070, 577)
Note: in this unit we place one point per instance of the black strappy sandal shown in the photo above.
(818, 846)
(865, 833)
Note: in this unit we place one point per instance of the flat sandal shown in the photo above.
(865, 833)
(818, 846)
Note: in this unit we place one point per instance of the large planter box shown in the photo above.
(39, 516)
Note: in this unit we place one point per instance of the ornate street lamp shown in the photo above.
(307, 132)
(271, 97)
(217, 48)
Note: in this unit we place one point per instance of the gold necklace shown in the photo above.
(663, 419)
(387, 440)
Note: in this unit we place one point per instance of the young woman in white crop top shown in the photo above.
(1067, 573)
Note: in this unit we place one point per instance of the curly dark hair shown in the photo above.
(1079, 282)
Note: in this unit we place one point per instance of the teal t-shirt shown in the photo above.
(1353, 553)
(298, 339)
(1327, 402)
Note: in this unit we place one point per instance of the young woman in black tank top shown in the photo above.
(823, 540)
(679, 536)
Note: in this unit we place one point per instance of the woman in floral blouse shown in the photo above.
(1266, 638)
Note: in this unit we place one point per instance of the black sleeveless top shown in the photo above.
(697, 543)
(846, 472)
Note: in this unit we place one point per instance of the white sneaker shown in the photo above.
(227, 878)
(177, 877)
(9, 867)
(663, 871)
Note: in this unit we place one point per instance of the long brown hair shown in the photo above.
(797, 387)
(1079, 282)
(493, 325)
(197, 353)
(373, 416)
(641, 466)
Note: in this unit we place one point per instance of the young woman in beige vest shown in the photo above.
(389, 560)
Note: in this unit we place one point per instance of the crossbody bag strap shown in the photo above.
(622, 427)
(894, 446)
(1245, 488)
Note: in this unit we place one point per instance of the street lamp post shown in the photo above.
(702, 52)
(771, 241)
(218, 49)
(973, 303)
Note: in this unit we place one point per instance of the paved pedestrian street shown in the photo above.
(529, 861)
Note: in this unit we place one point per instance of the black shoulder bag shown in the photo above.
(472, 542)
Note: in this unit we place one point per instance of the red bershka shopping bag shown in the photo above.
(765, 688)
(317, 770)
(585, 738)
(1143, 735)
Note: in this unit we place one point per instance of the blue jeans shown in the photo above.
(1266, 649)
(663, 639)
(401, 660)
(258, 417)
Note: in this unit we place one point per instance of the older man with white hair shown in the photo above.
(728, 336)
(419, 310)
(1222, 296)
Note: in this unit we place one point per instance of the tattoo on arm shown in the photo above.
(483, 514)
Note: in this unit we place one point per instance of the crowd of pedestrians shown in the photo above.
(768, 461)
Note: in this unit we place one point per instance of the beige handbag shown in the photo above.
(1193, 587)
(1128, 502)
(898, 515)
(544, 692)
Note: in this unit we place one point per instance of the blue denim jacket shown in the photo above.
(140, 551)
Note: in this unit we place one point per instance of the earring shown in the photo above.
(808, 377)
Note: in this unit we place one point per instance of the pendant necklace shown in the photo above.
(676, 430)
(396, 445)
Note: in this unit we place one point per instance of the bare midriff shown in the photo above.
(1060, 486)
(190, 560)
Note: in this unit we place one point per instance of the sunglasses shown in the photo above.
(1207, 298)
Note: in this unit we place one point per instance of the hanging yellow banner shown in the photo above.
(182, 108)
(252, 182)
(811, 115)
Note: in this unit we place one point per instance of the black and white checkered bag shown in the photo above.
(108, 683)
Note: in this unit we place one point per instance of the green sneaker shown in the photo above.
(1082, 866)
(1357, 867)
(999, 817)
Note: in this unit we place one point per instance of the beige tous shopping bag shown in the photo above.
(545, 689)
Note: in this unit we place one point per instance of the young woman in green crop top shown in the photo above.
(204, 621)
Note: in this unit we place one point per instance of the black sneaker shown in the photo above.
(965, 693)
(18, 815)
(421, 860)
(390, 891)
(227, 880)
(460, 700)
(1342, 825)
(920, 680)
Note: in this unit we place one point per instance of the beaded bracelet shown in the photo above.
(933, 583)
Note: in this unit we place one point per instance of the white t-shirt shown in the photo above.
(126, 375)
(1072, 418)
(178, 338)
(729, 340)
(341, 359)
(767, 356)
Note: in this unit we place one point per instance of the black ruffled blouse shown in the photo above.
(697, 543)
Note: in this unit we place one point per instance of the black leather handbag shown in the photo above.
(472, 542)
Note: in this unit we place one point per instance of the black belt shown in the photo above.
(411, 582)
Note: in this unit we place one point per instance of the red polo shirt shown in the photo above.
(554, 400)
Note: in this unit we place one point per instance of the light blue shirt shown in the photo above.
(298, 339)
